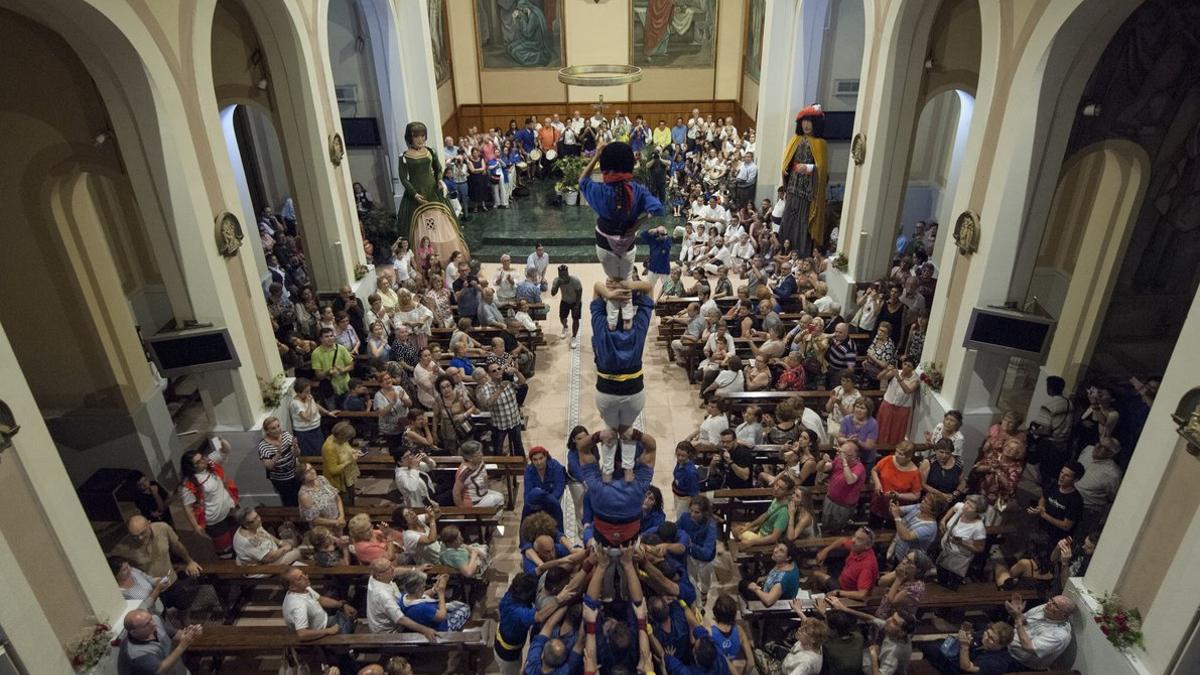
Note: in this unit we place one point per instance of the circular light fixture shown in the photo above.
(606, 75)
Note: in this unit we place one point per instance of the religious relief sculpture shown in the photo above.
(229, 234)
(858, 149)
(966, 232)
(424, 210)
(337, 149)
(805, 178)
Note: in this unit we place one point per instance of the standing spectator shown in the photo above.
(392, 402)
(539, 261)
(892, 654)
(320, 505)
(916, 525)
(862, 430)
(499, 396)
(845, 484)
(1051, 431)
(489, 313)
(897, 480)
(209, 499)
(943, 473)
(1098, 486)
(529, 289)
(305, 415)
(341, 460)
(685, 478)
(844, 396)
(964, 538)
(895, 412)
(332, 364)
(1042, 633)
(701, 529)
(278, 451)
(153, 647)
(1061, 507)
(950, 428)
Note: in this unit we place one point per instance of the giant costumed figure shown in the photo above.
(424, 210)
(805, 179)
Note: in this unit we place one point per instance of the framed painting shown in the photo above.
(674, 33)
(755, 14)
(519, 34)
(440, 40)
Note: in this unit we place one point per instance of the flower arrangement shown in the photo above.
(570, 168)
(841, 262)
(360, 271)
(932, 376)
(1122, 627)
(272, 391)
(90, 645)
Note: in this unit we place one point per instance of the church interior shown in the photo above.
(882, 306)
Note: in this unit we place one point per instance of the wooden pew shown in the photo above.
(480, 521)
(218, 641)
(768, 400)
(378, 463)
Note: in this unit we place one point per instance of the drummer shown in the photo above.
(527, 136)
(570, 143)
(548, 138)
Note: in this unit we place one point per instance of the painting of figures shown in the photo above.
(674, 33)
(754, 38)
(440, 40)
(519, 33)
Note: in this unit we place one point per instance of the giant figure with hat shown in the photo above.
(805, 179)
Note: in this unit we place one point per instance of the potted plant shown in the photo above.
(1122, 626)
(568, 187)
(92, 644)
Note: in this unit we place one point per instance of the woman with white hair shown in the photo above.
(965, 537)
(429, 607)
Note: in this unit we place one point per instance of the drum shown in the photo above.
(551, 155)
(535, 154)
(522, 165)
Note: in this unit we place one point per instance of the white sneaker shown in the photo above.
(563, 334)
(574, 343)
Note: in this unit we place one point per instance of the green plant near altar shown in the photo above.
(570, 167)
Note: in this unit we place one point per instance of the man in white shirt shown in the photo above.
(778, 209)
(1042, 634)
(307, 612)
(748, 174)
(558, 124)
(597, 120)
(383, 611)
(577, 123)
(540, 261)
(709, 434)
(810, 420)
(1100, 482)
(714, 215)
(718, 256)
(505, 281)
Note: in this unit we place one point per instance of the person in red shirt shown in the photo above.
(859, 572)
(846, 482)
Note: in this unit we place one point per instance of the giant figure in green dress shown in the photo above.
(424, 210)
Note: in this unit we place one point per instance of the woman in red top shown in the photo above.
(895, 477)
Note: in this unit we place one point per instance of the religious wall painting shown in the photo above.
(674, 33)
(439, 40)
(755, 16)
(519, 34)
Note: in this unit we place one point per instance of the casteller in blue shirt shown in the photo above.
(619, 352)
(659, 243)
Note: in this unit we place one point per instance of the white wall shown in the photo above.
(843, 54)
(353, 63)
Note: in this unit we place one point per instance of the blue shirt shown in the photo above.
(789, 580)
(617, 501)
(530, 291)
(679, 134)
(687, 480)
(515, 622)
(660, 252)
(600, 196)
(677, 667)
(619, 352)
(651, 521)
(533, 659)
(539, 491)
(527, 138)
(463, 364)
(729, 646)
(423, 613)
(679, 635)
(702, 538)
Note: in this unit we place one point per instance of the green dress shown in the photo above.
(434, 219)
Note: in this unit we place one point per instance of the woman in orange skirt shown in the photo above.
(896, 409)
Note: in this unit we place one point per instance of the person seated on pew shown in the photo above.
(711, 366)
(769, 527)
(429, 608)
(977, 651)
(384, 614)
(369, 542)
(861, 429)
(846, 481)
(413, 535)
(327, 550)
(859, 572)
(905, 585)
(471, 560)
(1042, 633)
(471, 487)
(772, 347)
(148, 645)
(695, 322)
(462, 335)
(137, 585)
(750, 431)
(522, 318)
(309, 613)
(943, 474)
(728, 380)
(708, 436)
(890, 649)
(802, 521)
(254, 545)
(781, 582)
(1032, 569)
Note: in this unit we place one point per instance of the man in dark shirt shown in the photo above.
(737, 460)
(1061, 506)
(786, 287)
(347, 302)
(466, 291)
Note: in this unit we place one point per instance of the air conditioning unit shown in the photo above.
(845, 88)
(348, 93)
